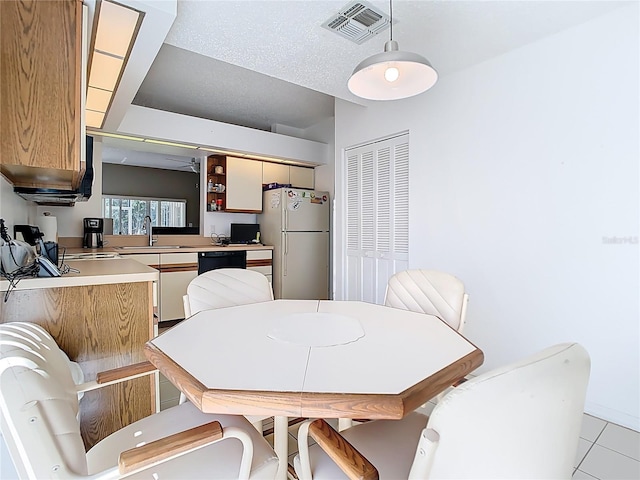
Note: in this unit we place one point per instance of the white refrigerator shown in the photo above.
(296, 222)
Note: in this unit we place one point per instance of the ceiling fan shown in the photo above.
(191, 166)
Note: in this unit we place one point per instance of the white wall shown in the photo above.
(14, 209)
(522, 168)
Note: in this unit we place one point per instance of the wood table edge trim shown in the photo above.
(313, 404)
(179, 377)
(437, 383)
(375, 406)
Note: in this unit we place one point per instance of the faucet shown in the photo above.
(148, 228)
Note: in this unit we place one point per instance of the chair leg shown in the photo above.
(344, 423)
(281, 445)
(258, 426)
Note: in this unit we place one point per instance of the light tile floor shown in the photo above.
(606, 451)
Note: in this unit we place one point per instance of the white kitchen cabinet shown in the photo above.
(176, 272)
(298, 177)
(261, 261)
(301, 177)
(275, 173)
(244, 185)
(178, 269)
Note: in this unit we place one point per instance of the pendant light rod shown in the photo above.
(390, 19)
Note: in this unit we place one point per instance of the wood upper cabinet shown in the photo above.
(244, 185)
(40, 92)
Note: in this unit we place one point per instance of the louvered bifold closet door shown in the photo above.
(377, 216)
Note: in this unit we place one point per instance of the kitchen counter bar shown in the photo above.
(92, 272)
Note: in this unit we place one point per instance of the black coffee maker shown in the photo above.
(93, 232)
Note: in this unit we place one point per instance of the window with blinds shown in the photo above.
(377, 216)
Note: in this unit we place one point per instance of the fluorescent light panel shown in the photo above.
(120, 23)
(171, 144)
(115, 135)
(98, 100)
(114, 35)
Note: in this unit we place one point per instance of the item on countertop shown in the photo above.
(93, 233)
(48, 225)
(273, 186)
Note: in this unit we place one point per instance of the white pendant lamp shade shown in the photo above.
(392, 75)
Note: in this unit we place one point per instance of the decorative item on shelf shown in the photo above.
(219, 170)
(210, 186)
(219, 188)
(219, 204)
(392, 74)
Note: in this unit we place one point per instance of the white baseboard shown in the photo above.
(614, 416)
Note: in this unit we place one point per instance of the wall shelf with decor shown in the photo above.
(216, 183)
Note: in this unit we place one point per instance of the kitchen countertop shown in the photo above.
(91, 272)
(104, 271)
(138, 249)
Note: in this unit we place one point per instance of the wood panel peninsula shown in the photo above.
(101, 317)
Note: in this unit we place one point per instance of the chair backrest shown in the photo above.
(227, 287)
(429, 291)
(39, 404)
(519, 421)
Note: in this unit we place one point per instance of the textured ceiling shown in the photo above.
(262, 63)
(185, 82)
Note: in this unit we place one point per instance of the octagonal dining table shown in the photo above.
(312, 359)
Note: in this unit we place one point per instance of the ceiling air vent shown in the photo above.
(358, 22)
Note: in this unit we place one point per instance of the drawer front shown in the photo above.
(259, 255)
(150, 259)
(177, 258)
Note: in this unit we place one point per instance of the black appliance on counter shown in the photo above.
(221, 259)
(93, 233)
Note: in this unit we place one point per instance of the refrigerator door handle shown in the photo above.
(286, 218)
(284, 257)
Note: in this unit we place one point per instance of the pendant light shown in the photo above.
(392, 74)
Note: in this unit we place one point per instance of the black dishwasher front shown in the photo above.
(221, 259)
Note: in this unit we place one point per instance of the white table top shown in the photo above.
(312, 358)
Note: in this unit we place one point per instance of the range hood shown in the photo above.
(58, 197)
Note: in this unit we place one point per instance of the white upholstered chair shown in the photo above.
(226, 287)
(426, 291)
(521, 421)
(39, 408)
(429, 291)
